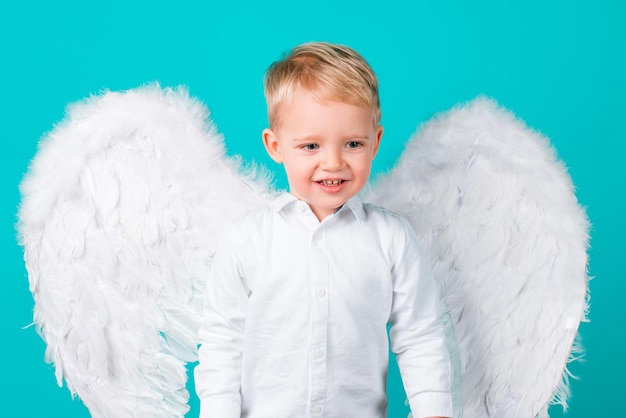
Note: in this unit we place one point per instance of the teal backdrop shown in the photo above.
(559, 65)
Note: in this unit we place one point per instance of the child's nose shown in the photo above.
(333, 160)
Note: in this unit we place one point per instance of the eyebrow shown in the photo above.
(306, 138)
(313, 138)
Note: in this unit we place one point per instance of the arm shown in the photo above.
(218, 374)
(417, 335)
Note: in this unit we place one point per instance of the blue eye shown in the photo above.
(311, 147)
(353, 144)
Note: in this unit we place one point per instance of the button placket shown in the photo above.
(319, 320)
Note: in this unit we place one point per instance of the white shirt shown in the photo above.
(296, 317)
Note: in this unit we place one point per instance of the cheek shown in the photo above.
(296, 170)
(362, 167)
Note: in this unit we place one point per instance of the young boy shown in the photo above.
(301, 291)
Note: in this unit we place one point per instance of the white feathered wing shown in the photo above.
(495, 211)
(120, 216)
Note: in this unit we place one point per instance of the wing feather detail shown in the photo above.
(120, 215)
(496, 213)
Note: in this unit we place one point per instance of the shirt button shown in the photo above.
(318, 354)
(316, 409)
(317, 236)
(320, 292)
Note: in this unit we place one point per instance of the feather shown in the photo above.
(496, 213)
(121, 212)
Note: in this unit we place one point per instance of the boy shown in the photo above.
(301, 291)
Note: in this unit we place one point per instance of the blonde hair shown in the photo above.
(328, 72)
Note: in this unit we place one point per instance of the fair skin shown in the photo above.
(326, 148)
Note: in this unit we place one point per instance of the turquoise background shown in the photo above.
(559, 65)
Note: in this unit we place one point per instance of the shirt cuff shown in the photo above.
(220, 407)
(431, 404)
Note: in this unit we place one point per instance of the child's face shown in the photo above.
(327, 150)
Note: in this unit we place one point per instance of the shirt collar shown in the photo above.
(355, 205)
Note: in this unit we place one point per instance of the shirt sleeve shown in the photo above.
(218, 373)
(417, 335)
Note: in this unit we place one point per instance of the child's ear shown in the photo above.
(272, 146)
(379, 135)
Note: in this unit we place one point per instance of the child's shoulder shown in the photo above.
(383, 214)
(252, 215)
(245, 226)
(393, 231)
(388, 223)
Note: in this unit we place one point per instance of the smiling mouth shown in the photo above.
(331, 182)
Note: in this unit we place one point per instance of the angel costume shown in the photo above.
(127, 198)
(297, 314)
